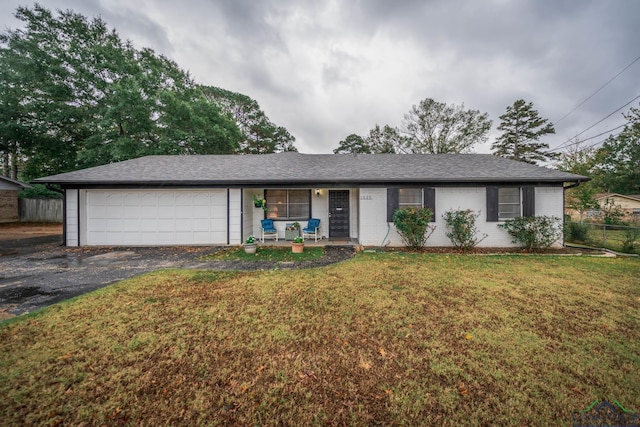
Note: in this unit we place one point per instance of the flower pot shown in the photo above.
(250, 248)
(297, 248)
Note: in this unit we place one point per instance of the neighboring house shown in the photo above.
(629, 204)
(198, 200)
(9, 189)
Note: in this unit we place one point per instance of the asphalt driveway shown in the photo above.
(37, 272)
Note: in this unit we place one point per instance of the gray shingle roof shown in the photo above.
(315, 169)
(14, 183)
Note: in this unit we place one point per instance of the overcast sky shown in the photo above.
(325, 69)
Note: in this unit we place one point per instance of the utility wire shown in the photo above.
(588, 139)
(593, 125)
(598, 90)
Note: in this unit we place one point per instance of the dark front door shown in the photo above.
(339, 213)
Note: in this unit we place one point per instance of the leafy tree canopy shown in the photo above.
(434, 127)
(260, 135)
(619, 158)
(582, 161)
(75, 95)
(380, 140)
(522, 128)
(353, 144)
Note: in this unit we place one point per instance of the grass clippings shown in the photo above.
(381, 339)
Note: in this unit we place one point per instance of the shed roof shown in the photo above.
(12, 184)
(312, 169)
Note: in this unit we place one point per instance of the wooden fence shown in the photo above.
(40, 210)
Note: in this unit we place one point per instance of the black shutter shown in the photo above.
(393, 202)
(492, 204)
(430, 201)
(528, 201)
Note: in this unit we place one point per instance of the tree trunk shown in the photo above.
(5, 164)
(14, 167)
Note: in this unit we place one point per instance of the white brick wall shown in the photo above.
(375, 231)
(235, 215)
(72, 217)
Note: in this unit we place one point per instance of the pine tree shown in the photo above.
(522, 128)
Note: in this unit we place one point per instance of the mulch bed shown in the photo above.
(496, 251)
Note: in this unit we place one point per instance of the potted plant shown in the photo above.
(250, 245)
(259, 202)
(297, 246)
(292, 231)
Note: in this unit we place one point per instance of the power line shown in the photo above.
(598, 90)
(595, 124)
(561, 147)
(602, 140)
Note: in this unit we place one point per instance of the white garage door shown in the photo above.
(156, 217)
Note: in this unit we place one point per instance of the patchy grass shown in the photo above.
(268, 253)
(611, 238)
(392, 339)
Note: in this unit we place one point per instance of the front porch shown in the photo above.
(311, 242)
(336, 208)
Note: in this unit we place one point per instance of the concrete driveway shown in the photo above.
(36, 272)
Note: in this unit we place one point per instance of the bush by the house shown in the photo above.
(413, 226)
(463, 232)
(533, 232)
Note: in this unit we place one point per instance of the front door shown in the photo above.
(338, 213)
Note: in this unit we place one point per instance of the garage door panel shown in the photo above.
(184, 211)
(115, 225)
(131, 225)
(201, 224)
(166, 199)
(156, 217)
(131, 211)
(148, 225)
(183, 225)
(115, 211)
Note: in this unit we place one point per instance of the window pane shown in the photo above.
(410, 197)
(299, 211)
(288, 204)
(298, 204)
(509, 211)
(276, 203)
(509, 203)
(509, 195)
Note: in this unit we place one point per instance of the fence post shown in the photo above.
(604, 235)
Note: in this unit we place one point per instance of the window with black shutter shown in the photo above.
(400, 198)
(505, 203)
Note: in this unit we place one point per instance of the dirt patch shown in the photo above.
(22, 230)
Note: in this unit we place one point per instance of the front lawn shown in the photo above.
(268, 253)
(383, 339)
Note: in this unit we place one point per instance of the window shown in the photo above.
(398, 198)
(410, 198)
(508, 203)
(288, 204)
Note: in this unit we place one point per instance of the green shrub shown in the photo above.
(533, 232)
(462, 228)
(413, 226)
(576, 232)
(631, 236)
(39, 191)
(612, 213)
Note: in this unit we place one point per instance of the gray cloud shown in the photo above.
(327, 69)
